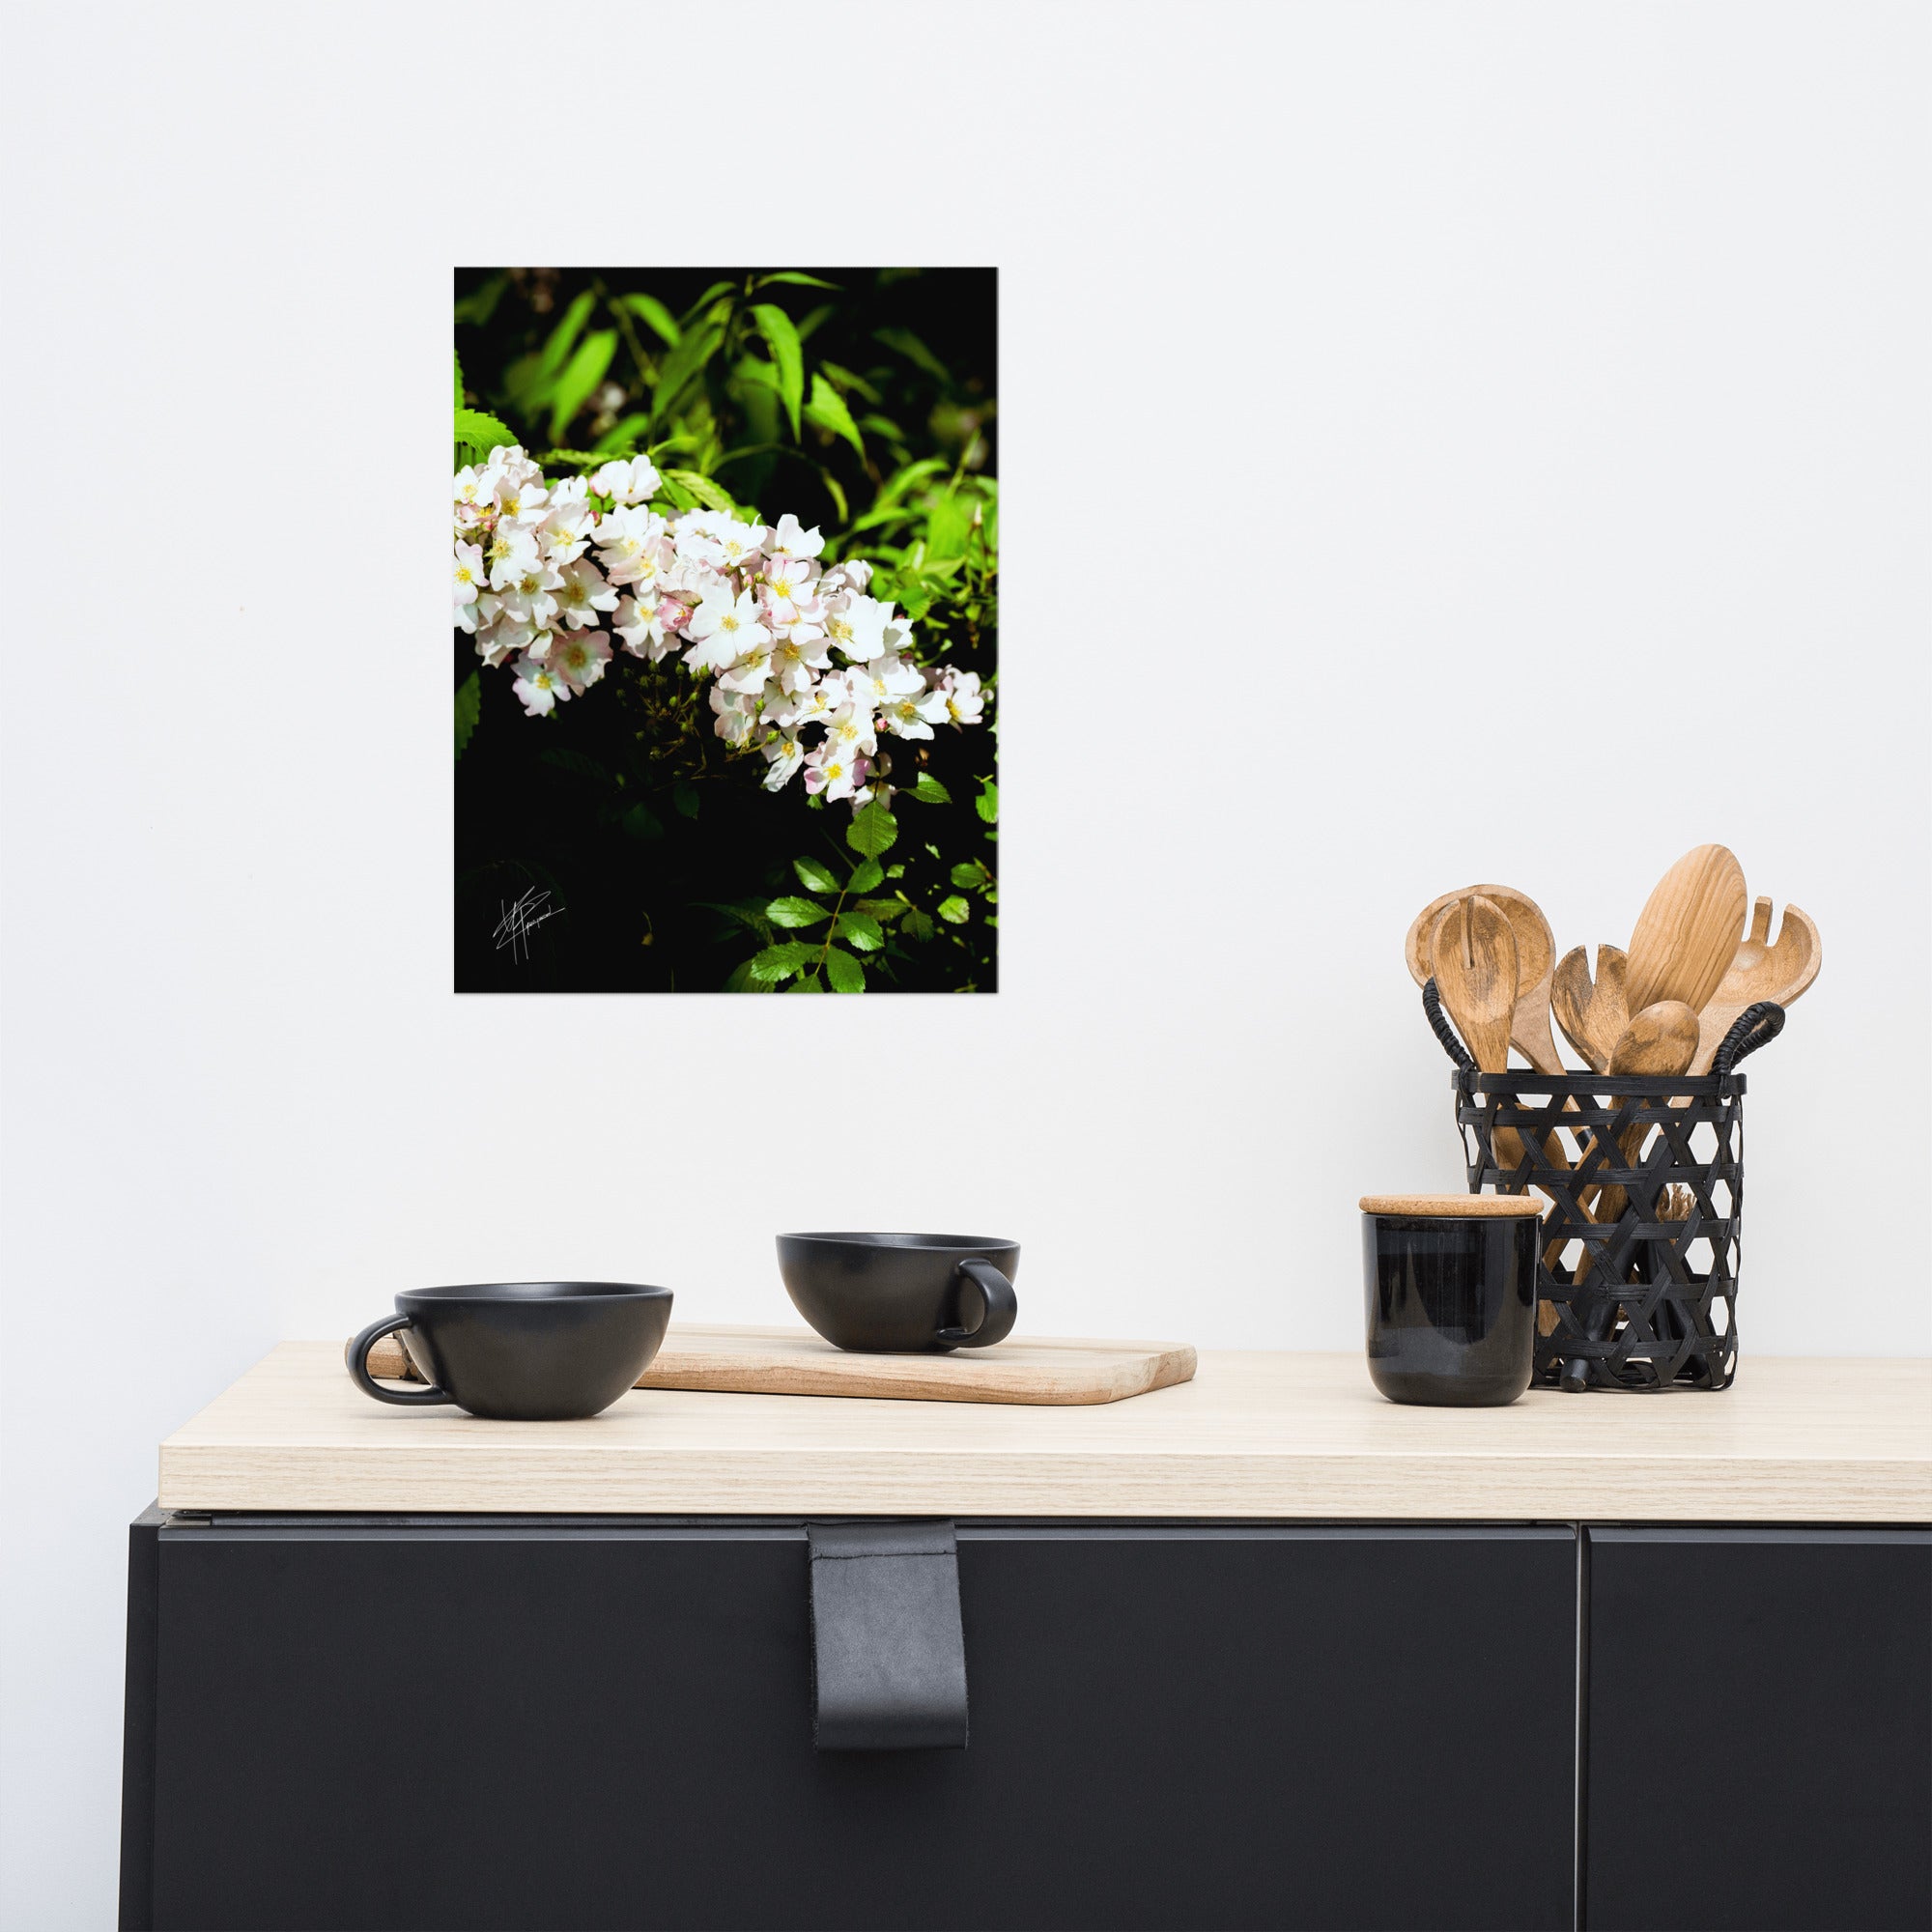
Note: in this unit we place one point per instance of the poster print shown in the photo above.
(727, 558)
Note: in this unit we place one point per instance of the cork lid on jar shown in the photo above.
(1465, 1207)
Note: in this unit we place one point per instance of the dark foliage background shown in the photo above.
(656, 840)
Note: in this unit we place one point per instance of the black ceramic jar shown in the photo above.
(1450, 1282)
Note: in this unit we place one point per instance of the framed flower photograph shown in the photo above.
(725, 585)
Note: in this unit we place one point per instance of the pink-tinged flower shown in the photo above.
(540, 688)
(748, 675)
(789, 593)
(719, 541)
(640, 626)
(833, 773)
(581, 593)
(578, 658)
(850, 730)
(861, 628)
(733, 722)
(883, 679)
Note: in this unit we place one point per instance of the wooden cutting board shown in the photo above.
(794, 1361)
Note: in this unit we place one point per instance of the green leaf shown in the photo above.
(684, 796)
(675, 494)
(953, 910)
(468, 708)
(814, 877)
(477, 434)
(968, 877)
(950, 527)
(849, 380)
(704, 301)
(834, 492)
(918, 924)
(809, 984)
(712, 496)
(480, 303)
(776, 326)
(649, 310)
(812, 318)
(928, 790)
(861, 930)
(872, 829)
(913, 350)
(845, 972)
(641, 822)
(827, 408)
(559, 757)
(987, 804)
(780, 962)
(459, 378)
(622, 438)
(885, 910)
(747, 913)
(795, 911)
(586, 370)
(793, 276)
(683, 365)
(865, 875)
(557, 350)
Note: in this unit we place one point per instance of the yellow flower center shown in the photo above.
(727, 622)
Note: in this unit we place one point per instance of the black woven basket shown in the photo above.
(1644, 1301)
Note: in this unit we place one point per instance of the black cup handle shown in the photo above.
(356, 1355)
(1000, 1307)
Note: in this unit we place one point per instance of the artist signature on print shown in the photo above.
(522, 918)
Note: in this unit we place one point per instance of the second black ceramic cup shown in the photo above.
(903, 1294)
(1450, 1283)
(521, 1350)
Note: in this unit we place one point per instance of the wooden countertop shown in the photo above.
(1253, 1435)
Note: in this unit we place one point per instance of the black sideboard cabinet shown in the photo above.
(600, 1721)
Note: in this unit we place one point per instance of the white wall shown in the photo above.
(1441, 444)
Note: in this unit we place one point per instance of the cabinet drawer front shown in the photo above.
(605, 1723)
(1760, 1731)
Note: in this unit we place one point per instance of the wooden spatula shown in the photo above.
(1593, 1016)
(1687, 934)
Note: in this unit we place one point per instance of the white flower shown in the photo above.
(789, 594)
(849, 730)
(626, 482)
(749, 673)
(515, 481)
(540, 688)
(470, 576)
(909, 717)
(566, 526)
(796, 542)
(733, 722)
(721, 542)
(641, 623)
(859, 629)
(796, 655)
(884, 678)
(579, 658)
(784, 754)
(964, 699)
(722, 629)
(631, 546)
(522, 583)
(581, 593)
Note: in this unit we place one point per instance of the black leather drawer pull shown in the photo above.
(887, 1655)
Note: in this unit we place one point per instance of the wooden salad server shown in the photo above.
(1472, 954)
(1536, 960)
(1759, 970)
(1687, 934)
(1593, 1017)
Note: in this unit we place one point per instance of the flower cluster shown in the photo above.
(789, 645)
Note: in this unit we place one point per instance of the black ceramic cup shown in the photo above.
(903, 1294)
(1451, 1289)
(521, 1350)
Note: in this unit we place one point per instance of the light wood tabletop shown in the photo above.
(1253, 1435)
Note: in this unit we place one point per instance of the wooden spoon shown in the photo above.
(1535, 957)
(1659, 1043)
(1593, 1017)
(1687, 934)
(1760, 970)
